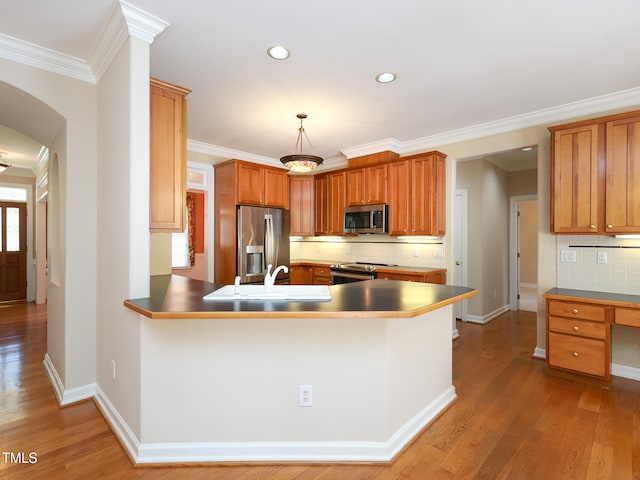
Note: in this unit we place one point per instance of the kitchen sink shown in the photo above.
(278, 292)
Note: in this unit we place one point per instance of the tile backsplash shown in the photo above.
(620, 273)
(415, 252)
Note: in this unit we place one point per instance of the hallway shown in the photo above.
(511, 420)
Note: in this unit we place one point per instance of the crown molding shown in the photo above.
(373, 147)
(123, 21)
(223, 153)
(43, 58)
(560, 113)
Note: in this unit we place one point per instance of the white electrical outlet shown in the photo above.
(305, 398)
(113, 369)
(602, 257)
(415, 252)
(348, 249)
(438, 252)
(568, 256)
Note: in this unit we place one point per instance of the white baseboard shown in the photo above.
(624, 371)
(489, 316)
(66, 396)
(455, 334)
(291, 451)
(540, 353)
(119, 426)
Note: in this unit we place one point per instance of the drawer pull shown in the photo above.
(575, 354)
(575, 310)
(576, 328)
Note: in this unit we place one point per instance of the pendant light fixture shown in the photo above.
(299, 161)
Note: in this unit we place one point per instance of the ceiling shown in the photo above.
(460, 65)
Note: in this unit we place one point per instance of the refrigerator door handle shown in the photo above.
(269, 240)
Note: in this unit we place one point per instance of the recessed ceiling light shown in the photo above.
(278, 52)
(386, 77)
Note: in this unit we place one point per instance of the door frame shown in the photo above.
(460, 249)
(514, 242)
(30, 268)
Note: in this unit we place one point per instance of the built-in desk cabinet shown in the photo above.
(168, 157)
(578, 337)
(595, 176)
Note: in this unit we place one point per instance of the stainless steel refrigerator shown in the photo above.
(263, 239)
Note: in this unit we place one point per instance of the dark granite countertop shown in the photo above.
(588, 296)
(174, 297)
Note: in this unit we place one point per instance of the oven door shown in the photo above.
(338, 277)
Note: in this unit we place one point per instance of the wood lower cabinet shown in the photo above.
(578, 337)
(437, 276)
(302, 204)
(301, 275)
(168, 157)
(322, 275)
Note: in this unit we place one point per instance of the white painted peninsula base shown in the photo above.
(227, 390)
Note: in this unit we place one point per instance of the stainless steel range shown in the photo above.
(354, 272)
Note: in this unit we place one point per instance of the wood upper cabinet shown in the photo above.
(168, 157)
(367, 185)
(302, 202)
(577, 176)
(330, 192)
(262, 186)
(399, 197)
(417, 195)
(622, 213)
(595, 175)
(337, 182)
(276, 188)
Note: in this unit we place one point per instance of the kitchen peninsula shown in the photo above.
(222, 379)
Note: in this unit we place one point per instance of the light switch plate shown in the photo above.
(568, 256)
(602, 257)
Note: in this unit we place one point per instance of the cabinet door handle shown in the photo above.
(610, 226)
(575, 310)
(576, 328)
(592, 227)
(575, 354)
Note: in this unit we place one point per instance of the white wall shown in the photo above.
(72, 298)
(123, 234)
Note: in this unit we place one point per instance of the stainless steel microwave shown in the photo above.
(366, 219)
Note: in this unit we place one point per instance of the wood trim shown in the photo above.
(156, 82)
(582, 123)
(372, 159)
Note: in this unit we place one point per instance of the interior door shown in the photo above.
(13, 251)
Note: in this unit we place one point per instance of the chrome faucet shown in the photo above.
(236, 285)
(270, 278)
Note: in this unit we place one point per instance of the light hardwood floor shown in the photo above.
(512, 420)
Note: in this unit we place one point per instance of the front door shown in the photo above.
(13, 251)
